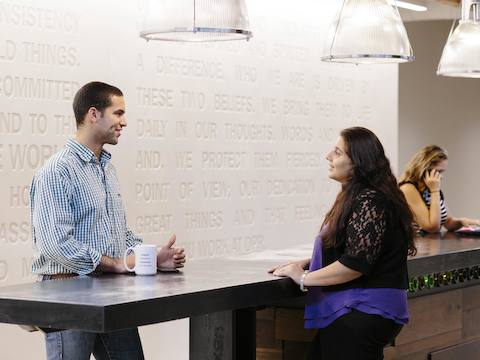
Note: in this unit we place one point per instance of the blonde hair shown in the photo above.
(424, 160)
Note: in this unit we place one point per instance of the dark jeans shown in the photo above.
(354, 336)
(79, 345)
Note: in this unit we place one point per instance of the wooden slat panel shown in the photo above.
(437, 321)
(390, 353)
(471, 323)
(269, 354)
(471, 297)
(266, 314)
(432, 315)
(424, 346)
(289, 326)
(296, 350)
(465, 351)
(266, 335)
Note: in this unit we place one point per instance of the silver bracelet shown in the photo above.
(302, 281)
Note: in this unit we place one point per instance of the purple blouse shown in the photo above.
(324, 307)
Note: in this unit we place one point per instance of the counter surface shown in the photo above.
(446, 251)
(112, 302)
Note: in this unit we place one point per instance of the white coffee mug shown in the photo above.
(145, 259)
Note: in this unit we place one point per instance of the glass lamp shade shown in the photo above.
(461, 54)
(195, 20)
(368, 31)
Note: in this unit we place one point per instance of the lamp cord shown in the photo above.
(194, 16)
(338, 25)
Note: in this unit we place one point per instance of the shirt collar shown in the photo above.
(86, 154)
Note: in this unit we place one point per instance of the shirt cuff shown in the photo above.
(96, 258)
(133, 242)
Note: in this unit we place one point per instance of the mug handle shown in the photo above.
(127, 252)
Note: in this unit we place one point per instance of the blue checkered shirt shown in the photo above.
(77, 213)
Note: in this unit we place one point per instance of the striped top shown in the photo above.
(426, 196)
(76, 212)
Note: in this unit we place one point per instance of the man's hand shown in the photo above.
(169, 257)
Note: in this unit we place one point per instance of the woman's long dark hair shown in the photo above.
(370, 169)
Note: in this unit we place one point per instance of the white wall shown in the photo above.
(271, 188)
(443, 111)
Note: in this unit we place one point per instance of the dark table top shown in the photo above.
(113, 302)
(445, 243)
(445, 251)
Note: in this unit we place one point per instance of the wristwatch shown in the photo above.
(302, 281)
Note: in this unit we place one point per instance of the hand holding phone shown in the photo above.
(433, 180)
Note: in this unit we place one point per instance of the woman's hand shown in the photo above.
(333, 274)
(293, 270)
(302, 263)
(469, 222)
(433, 180)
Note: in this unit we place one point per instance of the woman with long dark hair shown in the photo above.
(357, 275)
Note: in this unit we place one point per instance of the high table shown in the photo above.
(219, 296)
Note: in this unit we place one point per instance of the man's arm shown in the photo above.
(53, 223)
(112, 265)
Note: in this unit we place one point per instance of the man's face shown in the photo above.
(110, 123)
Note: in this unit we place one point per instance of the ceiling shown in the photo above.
(437, 10)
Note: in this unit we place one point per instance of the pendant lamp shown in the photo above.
(368, 32)
(461, 54)
(195, 20)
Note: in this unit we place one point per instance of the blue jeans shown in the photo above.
(79, 345)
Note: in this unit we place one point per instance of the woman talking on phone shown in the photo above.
(421, 183)
(357, 275)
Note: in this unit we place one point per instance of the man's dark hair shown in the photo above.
(94, 94)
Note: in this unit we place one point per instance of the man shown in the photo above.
(78, 221)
